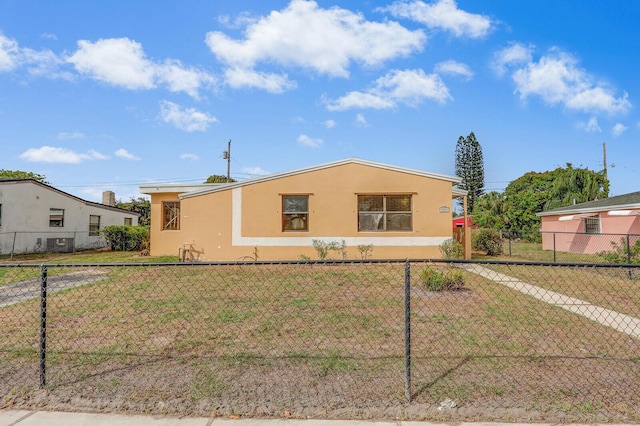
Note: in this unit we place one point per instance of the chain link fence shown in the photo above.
(14, 243)
(414, 340)
(569, 247)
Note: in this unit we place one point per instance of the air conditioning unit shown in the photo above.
(60, 245)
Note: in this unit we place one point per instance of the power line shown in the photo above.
(137, 183)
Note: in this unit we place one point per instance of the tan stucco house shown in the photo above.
(591, 227)
(400, 212)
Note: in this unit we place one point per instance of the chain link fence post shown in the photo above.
(629, 254)
(13, 245)
(43, 326)
(407, 329)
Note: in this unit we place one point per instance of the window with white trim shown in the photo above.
(384, 213)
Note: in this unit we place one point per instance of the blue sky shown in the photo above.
(112, 95)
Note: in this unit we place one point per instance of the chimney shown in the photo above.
(109, 198)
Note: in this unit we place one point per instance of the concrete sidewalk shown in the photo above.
(52, 418)
(621, 322)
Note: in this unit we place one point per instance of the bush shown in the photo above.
(619, 254)
(323, 248)
(488, 241)
(365, 250)
(435, 280)
(126, 238)
(452, 249)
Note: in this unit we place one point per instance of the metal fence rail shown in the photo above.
(377, 339)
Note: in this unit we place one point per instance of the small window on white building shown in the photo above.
(592, 225)
(94, 225)
(56, 218)
(128, 221)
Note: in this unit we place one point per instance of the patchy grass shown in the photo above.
(245, 338)
(612, 288)
(533, 252)
(87, 257)
(15, 272)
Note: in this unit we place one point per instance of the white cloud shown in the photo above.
(360, 100)
(515, 54)
(306, 140)
(70, 135)
(117, 61)
(304, 35)
(181, 79)
(454, 68)
(618, 129)
(123, 153)
(242, 20)
(591, 126)
(409, 87)
(9, 53)
(256, 171)
(187, 119)
(330, 124)
(49, 154)
(273, 83)
(192, 157)
(558, 80)
(443, 15)
(361, 121)
(122, 62)
(42, 62)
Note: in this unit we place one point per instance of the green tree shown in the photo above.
(470, 168)
(572, 186)
(19, 174)
(534, 192)
(138, 205)
(490, 211)
(218, 179)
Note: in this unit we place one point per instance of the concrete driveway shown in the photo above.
(13, 293)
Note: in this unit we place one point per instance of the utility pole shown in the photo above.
(226, 155)
(604, 155)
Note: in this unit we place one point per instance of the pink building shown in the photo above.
(591, 227)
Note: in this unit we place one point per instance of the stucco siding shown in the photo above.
(163, 242)
(207, 223)
(26, 212)
(566, 233)
(246, 220)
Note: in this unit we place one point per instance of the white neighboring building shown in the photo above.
(35, 217)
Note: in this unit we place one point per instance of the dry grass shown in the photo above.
(323, 341)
